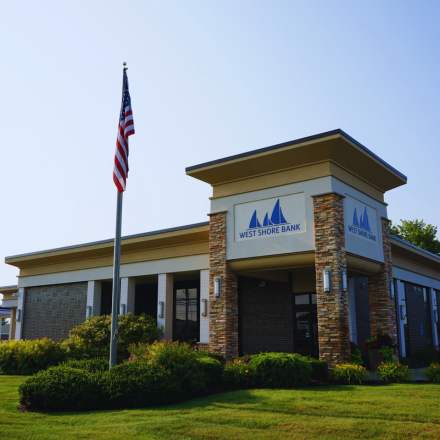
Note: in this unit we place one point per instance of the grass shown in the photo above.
(336, 412)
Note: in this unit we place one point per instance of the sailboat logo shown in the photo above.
(363, 223)
(276, 219)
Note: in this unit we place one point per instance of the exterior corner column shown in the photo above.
(223, 310)
(330, 254)
(204, 320)
(382, 306)
(20, 311)
(12, 323)
(128, 287)
(94, 297)
(165, 294)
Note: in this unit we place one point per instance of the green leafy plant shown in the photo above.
(348, 373)
(90, 365)
(356, 355)
(394, 372)
(212, 370)
(91, 339)
(27, 357)
(384, 344)
(177, 357)
(211, 354)
(319, 368)
(238, 373)
(432, 373)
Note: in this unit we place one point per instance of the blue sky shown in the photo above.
(207, 80)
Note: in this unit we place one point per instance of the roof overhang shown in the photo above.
(333, 146)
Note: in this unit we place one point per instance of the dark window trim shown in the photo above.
(192, 284)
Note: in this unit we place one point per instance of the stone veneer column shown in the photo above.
(204, 320)
(333, 324)
(94, 297)
(382, 307)
(20, 306)
(165, 291)
(128, 286)
(223, 311)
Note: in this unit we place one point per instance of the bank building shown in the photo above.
(296, 256)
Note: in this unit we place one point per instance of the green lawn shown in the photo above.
(338, 412)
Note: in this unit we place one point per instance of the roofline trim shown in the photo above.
(111, 240)
(296, 141)
(9, 287)
(415, 247)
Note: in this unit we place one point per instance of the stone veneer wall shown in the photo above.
(51, 311)
(223, 311)
(333, 324)
(382, 307)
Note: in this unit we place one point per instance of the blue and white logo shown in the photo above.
(361, 226)
(273, 225)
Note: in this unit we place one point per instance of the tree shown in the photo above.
(418, 233)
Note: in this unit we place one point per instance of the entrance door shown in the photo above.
(306, 325)
(186, 314)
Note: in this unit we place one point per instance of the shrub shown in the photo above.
(280, 370)
(348, 373)
(136, 385)
(319, 368)
(383, 343)
(179, 358)
(62, 388)
(394, 372)
(432, 373)
(211, 354)
(92, 338)
(27, 357)
(90, 365)
(212, 370)
(356, 355)
(237, 373)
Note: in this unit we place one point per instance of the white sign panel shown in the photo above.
(360, 220)
(271, 217)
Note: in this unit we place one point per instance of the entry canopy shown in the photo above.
(333, 146)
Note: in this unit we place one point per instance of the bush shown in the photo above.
(356, 355)
(394, 372)
(280, 370)
(432, 373)
(383, 343)
(90, 365)
(348, 373)
(237, 373)
(212, 370)
(319, 368)
(62, 388)
(27, 357)
(179, 358)
(92, 338)
(137, 385)
(211, 354)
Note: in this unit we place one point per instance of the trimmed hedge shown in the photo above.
(90, 365)
(212, 370)
(62, 388)
(319, 368)
(27, 357)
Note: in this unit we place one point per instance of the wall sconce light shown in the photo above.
(217, 286)
(18, 316)
(402, 316)
(392, 289)
(344, 280)
(436, 316)
(160, 309)
(89, 311)
(326, 280)
(204, 307)
(122, 309)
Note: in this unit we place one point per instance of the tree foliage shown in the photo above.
(418, 233)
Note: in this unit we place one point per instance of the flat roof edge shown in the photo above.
(15, 286)
(294, 142)
(416, 247)
(111, 240)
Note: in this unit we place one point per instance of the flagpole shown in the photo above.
(116, 268)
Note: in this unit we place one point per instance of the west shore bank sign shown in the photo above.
(270, 217)
(360, 220)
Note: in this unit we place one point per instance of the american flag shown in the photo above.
(125, 129)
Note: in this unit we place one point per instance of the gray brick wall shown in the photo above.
(51, 311)
(266, 316)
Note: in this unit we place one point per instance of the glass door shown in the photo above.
(186, 314)
(306, 325)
